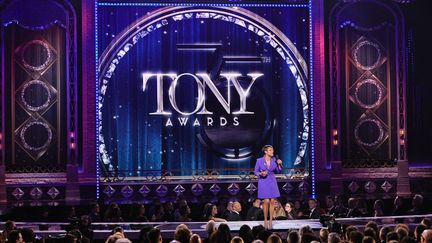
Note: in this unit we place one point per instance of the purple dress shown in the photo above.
(267, 185)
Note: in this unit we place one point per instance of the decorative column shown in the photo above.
(319, 95)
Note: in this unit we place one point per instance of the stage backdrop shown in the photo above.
(197, 88)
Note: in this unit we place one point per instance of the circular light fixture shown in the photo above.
(26, 128)
(26, 103)
(45, 63)
(361, 84)
(356, 53)
(380, 132)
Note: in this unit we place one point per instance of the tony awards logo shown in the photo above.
(212, 73)
(205, 85)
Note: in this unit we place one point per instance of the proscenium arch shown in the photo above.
(125, 41)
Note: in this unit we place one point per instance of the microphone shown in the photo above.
(279, 165)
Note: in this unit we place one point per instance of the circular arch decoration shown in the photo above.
(153, 21)
(47, 99)
(356, 53)
(31, 124)
(361, 84)
(46, 62)
(378, 125)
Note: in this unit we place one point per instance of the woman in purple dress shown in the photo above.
(268, 190)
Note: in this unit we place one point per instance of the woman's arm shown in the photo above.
(278, 168)
(257, 170)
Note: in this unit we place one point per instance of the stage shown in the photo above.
(132, 229)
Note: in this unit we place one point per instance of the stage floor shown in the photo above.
(132, 229)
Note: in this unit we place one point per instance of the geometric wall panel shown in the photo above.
(367, 81)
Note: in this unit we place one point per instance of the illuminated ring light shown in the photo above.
(36, 108)
(378, 99)
(125, 41)
(24, 131)
(47, 61)
(380, 136)
(356, 55)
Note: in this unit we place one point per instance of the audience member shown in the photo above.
(398, 206)
(195, 238)
(408, 239)
(402, 232)
(356, 237)
(143, 235)
(274, 238)
(331, 207)
(15, 237)
(28, 235)
(368, 239)
(256, 230)
(427, 222)
(211, 212)
(392, 236)
(264, 235)
(234, 215)
(182, 233)
(370, 232)
(417, 205)
(181, 202)
(383, 233)
(378, 208)
(348, 231)
(308, 237)
(255, 212)
(137, 213)
(245, 233)
(114, 237)
(426, 236)
(236, 239)
(323, 235)
(113, 213)
(314, 211)
(154, 236)
(333, 238)
(353, 211)
(95, 213)
(290, 211)
(279, 212)
(221, 235)
(299, 210)
(293, 237)
(418, 231)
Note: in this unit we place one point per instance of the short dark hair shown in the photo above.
(383, 233)
(266, 147)
(408, 239)
(183, 235)
(27, 235)
(356, 237)
(308, 237)
(13, 236)
(368, 231)
(348, 231)
(419, 230)
(153, 235)
(368, 239)
(392, 236)
(427, 222)
(402, 232)
(293, 237)
(256, 230)
(9, 225)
